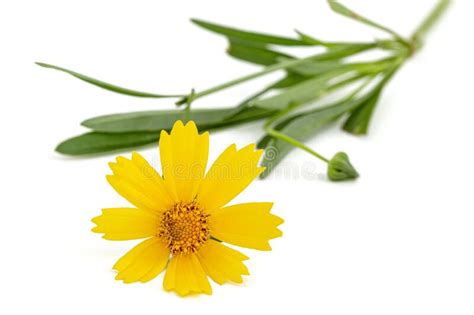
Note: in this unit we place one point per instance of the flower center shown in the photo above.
(184, 228)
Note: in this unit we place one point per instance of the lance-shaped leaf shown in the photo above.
(105, 85)
(261, 55)
(302, 92)
(299, 127)
(103, 142)
(253, 54)
(304, 125)
(337, 7)
(313, 68)
(289, 80)
(358, 122)
(314, 41)
(152, 120)
(298, 93)
(145, 121)
(97, 142)
(231, 32)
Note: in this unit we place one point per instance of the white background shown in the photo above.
(399, 240)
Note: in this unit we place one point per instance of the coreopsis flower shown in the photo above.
(184, 214)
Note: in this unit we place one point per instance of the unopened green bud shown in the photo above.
(340, 168)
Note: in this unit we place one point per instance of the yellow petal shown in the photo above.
(230, 174)
(222, 263)
(143, 262)
(185, 276)
(184, 156)
(138, 182)
(248, 225)
(126, 223)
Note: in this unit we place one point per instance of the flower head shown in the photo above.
(184, 214)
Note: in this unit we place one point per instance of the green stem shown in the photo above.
(431, 19)
(294, 142)
(267, 70)
(279, 66)
(281, 136)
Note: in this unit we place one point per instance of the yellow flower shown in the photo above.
(184, 215)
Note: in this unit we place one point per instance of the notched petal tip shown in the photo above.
(95, 219)
(191, 124)
(136, 156)
(232, 147)
(278, 233)
(265, 247)
(109, 178)
(178, 126)
(112, 165)
(121, 159)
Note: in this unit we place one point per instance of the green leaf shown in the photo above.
(147, 121)
(337, 7)
(152, 120)
(358, 122)
(314, 41)
(100, 142)
(256, 55)
(310, 39)
(96, 142)
(105, 85)
(302, 92)
(244, 115)
(289, 80)
(250, 36)
(344, 51)
(313, 68)
(267, 139)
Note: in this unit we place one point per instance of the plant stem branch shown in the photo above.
(281, 136)
(276, 134)
(430, 20)
(272, 68)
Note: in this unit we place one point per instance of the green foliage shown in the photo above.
(286, 105)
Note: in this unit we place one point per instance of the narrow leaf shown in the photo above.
(302, 92)
(314, 41)
(310, 39)
(256, 55)
(289, 80)
(151, 120)
(96, 142)
(105, 85)
(147, 121)
(337, 7)
(299, 93)
(250, 36)
(313, 68)
(300, 127)
(100, 142)
(358, 122)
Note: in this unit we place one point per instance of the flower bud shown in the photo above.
(340, 168)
